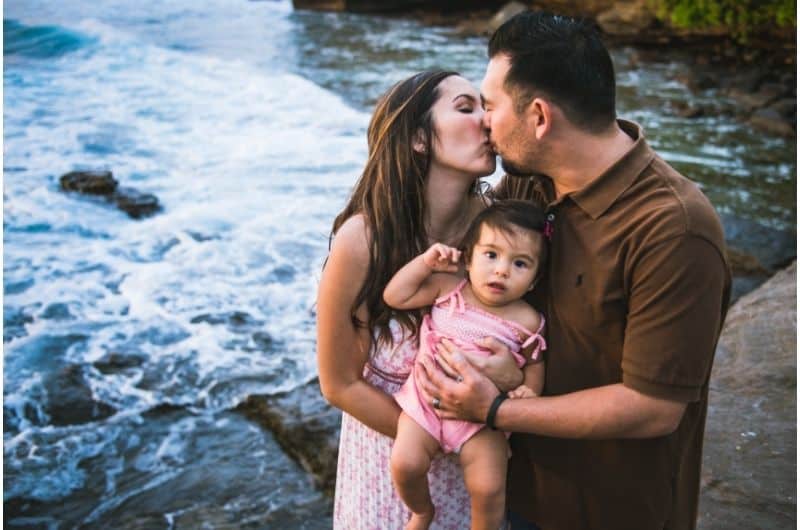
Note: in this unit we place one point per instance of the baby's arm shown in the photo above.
(417, 284)
(533, 381)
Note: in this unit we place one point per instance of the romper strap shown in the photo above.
(455, 298)
(537, 338)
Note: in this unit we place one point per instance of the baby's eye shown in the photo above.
(490, 254)
(521, 264)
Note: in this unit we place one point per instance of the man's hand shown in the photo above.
(466, 394)
(500, 366)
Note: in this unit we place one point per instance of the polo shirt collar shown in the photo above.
(598, 196)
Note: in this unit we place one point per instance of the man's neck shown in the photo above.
(585, 157)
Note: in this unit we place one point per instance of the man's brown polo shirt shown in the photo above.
(636, 291)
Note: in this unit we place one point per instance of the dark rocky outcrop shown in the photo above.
(89, 182)
(135, 203)
(304, 425)
(103, 185)
(749, 463)
(236, 321)
(70, 400)
(755, 252)
(115, 362)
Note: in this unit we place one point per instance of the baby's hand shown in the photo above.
(522, 392)
(441, 258)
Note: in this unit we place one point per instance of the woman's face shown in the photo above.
(460, 142)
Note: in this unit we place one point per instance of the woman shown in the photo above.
(427, 149)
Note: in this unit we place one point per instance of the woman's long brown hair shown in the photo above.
(390, 195)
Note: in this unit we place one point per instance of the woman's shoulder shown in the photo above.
(354, 231)
(352, 238)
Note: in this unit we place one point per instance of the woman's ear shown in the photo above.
(420, 142)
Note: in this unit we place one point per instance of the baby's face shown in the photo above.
(503, 265)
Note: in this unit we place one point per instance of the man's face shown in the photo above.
(508, 134)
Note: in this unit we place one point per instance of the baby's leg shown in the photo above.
(484, 458)
(412, 453)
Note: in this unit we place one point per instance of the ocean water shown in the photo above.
(247, 119)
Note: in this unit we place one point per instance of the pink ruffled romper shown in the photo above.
(465, 325)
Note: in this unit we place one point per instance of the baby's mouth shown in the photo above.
(497, 286)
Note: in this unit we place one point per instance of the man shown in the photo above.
(635, 296)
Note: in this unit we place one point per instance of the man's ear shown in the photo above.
(539, 114)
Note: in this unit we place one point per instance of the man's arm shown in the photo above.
(612, 411)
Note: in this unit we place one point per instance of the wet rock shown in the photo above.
(305, 426)
(103, 184)
(751, 100)
(116, 362)
(772, 248)
(771, 121)
(787, 108)
(89, 182)
(18, 287)
(184, 470)
(749, 465)
(57, 311)
(687, 110)
(755, 252)
(70, 400)
(14, 322)
(504, 14)
(236, 321)
(743, 264)
(135, 203)
(626, 19)
(263, 340)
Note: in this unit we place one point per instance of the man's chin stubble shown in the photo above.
(512, 170)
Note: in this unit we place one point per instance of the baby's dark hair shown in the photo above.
(506, 216)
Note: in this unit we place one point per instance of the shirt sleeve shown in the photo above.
(678, 290)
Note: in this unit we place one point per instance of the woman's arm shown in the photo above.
(343, 349)
(416, 284)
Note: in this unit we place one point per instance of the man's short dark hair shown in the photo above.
(562, 59)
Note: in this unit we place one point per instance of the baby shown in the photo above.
(504, 250)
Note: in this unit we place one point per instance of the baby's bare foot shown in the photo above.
(420, 521)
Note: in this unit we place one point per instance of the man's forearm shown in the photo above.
(612, 411)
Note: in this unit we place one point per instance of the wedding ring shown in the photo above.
(436, 403)
(459, 379)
